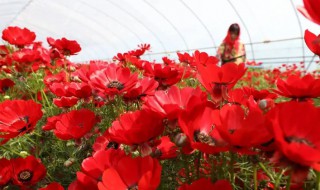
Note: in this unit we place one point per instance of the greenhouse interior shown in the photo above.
(160, 94)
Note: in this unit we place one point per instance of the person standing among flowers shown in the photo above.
(232, 49)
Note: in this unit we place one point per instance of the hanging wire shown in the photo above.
(139, 21)
(201, 22)
(171, 24)
(236, 11)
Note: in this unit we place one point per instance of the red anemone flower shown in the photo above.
(206, 184)
(299, 88)
(65, 102)
(132, 173)
(165, 149)
(5, 84)
(5, 171)
(187, 59)
(65, 46)
(113, 80)
(134, 128)
(295, 126)
(171, 102)
(18, 117)
(166, 75)
(218, 80)
(53, 186)
(204, 59)
(311, 10)
(93, 167)
(27, 171)
(198, 124)
(312, 41)
(144, 87)
(236, 125)
(74, 125)
(18, 36)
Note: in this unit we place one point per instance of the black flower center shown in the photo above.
(203, 138)
(293, 139)
(115, 84)
(25, 176)
(113, 145)
(27, 126)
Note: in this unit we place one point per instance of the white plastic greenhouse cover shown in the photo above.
(271, 29)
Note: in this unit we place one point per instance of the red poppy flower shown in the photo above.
(198, 125)
(311, 10)
(299, 88)
(166, 75)
(18, 36)
(103, 143)
(65, 102)
(144, 87)
(204, 183)
(133, 128)
(93, 167)
(27, 171)
(237, 125)
(295, 126)
(5, 171)
(113, 80)
(312, 41)
(132, 173)
(18, 117)
(218, 80)
(64, 46)
(73, 125)
(79, 90)
(204, 59)
(5, 84)
(171, 102)
(53, 186)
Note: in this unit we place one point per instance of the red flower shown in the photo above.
(198, 125)
(296, 131)
(166, 75)
(5, 171)
(218, 80)
(171, 102)
(18, 36)
(113, 80)
(64, 46)
(134, 128)
(299, 88)
(27, 171)
(5, 84)
(79, 90)
(144, 87)
(73, 125)
(165, 150)
(65, 102)
(237, 125)
(103, 143)
(53, 186)
(18, 117)
(204, 59)
(187, 59)
(132, 173)
(206, 184)
(93, 167)
(311, 10)
(312, 41)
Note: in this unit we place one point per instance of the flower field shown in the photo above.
(130, 123)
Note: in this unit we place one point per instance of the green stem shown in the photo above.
(186, 167)
(318, 180)
(255, 179)
(277, 183)
(289, 181)
(11, 150)
(232, 161)
(198, 165)
(266, 171)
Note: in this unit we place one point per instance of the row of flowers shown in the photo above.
(136, 124)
